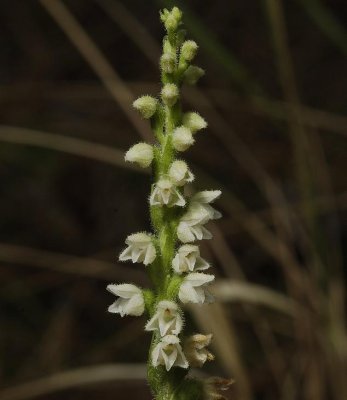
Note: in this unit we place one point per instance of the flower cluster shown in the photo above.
(170, 254)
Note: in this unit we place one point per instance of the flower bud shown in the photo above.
(172, 19)
(170, 94)
(179, 173)
(189, 50)
(182, 138)
(140, 153)
(146, 105)
(194, 122)
(193, 74)
(168, 63)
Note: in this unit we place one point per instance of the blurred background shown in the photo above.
(275, 99)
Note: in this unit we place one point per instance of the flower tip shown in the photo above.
(182, 138)
(170, 94)
(193, 74)
(189, 50)
(146, 105)
(194, 121)
(141, 154)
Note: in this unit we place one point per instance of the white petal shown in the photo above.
(201, 264)
(198, 279)
(150, 254)
(206, 196)
(156, 355)
(135, 306)
(125, 290)
(170, 359)
(152, 324)
(181, 202)
(187, 294)
(125, 255)
(184, 233)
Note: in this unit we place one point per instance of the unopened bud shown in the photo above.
(182, 138)
(180, 173)
(193, 74)
(170, 94)
(146, 105)
(168, 63)
(189, 50)
(140, 153)
(194, 122)
(172, 19)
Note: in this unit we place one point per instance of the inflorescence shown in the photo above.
(174, 264)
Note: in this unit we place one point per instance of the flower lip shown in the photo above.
(187, 259)
(169, 352)
(165, 193)
(166, 319)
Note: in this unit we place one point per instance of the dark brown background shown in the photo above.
(275, 99)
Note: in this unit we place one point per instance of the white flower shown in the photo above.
(187, 259)
(170, 94)
(130, 300)
(146, 105)
(169, 352)
(188, 232)
(167, 319)
(194, 122)
(140, 249)
(179, 173)
(193, 288)
(199, 213)
(182, 138)
(165, 193)
(191, 224)
(140, 153)
(202, 199)
(196, 351)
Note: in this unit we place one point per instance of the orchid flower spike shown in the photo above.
(168, 352)
(174, 264)
(140, 249)
(167, 319)
(130, 300)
